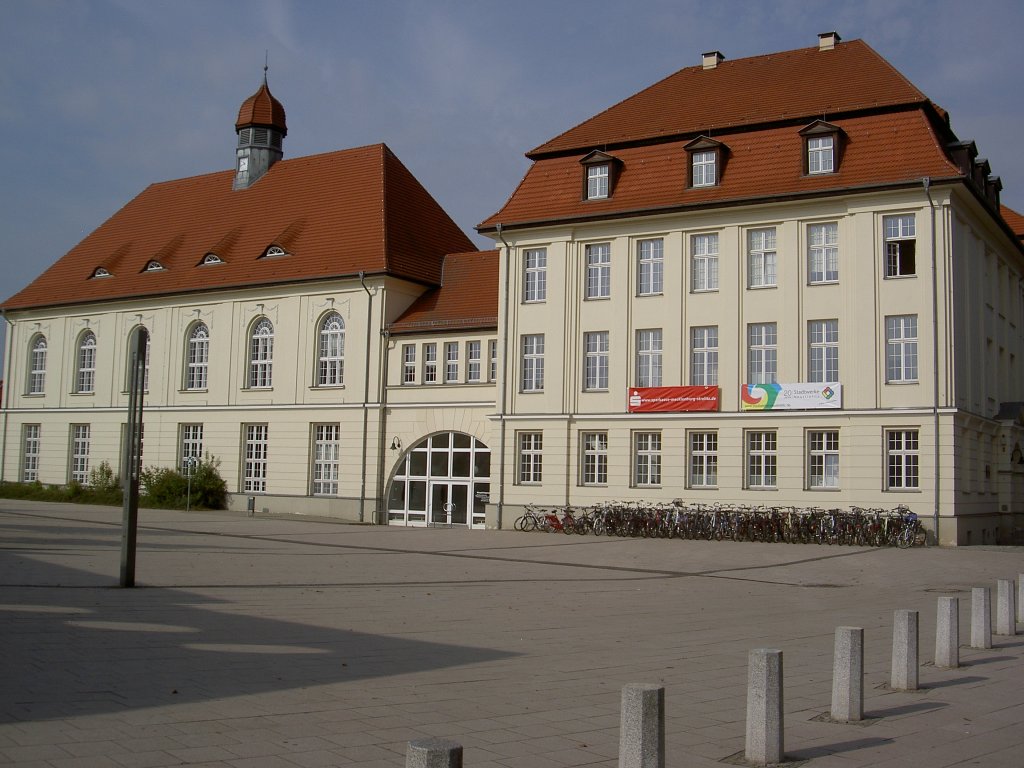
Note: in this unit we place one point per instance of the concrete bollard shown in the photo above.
(981, 617)
(947, 633)
(642, 730)
(1006, 615)
(904, 651)
(433, 753)
(764, 707)
(848, 675)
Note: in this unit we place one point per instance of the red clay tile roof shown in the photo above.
(793, 85)
(262, 109)
(1014, 219)
(334, 214)
(467, 298)
(889, 148)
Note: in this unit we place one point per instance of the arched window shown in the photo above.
(261, 355)
(198, 357)
(85, 372)
(331, 358)
(37, 366)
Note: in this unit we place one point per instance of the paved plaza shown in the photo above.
(274, 642)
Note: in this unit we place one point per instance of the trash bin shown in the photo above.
(251, 506)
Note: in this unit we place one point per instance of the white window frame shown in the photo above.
(595, 361)
(81, 440)
(190, 440)
(705, 171)
(31, 442)
(474, 367)
(451, 362)
(331, 351)
(704, 355)
(647, 459)
(902, 459)
(823, 459)
(198, 364)
(823, 351)
(704, 261)
(650, 256)
(492, 374)
(532, 346)
(900, 236)
(901, 360)
(648, 357)
(594, 458)
(762, 353)
(703, 459)
(762, 258)
(85, 370)
(254, 458)
(37, 366)
(261, 354)
(326, 461)
(762, 453)
(430, 363)
(821, 157)
(823, 253)
(531, 458)
(408, 363)
(535, 275)
(599, 270)
(598, 179)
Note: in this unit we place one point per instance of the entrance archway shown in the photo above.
(445, 479)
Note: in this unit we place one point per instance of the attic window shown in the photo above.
(706, 160)
(154, 266)
(822, 148)
(274, 250)
(211, 258)
(100, 272)
(600, 172)
(244, 136)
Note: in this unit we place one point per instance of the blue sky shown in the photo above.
(102, 98)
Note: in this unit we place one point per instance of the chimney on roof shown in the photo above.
(827, 40)
(712, 59)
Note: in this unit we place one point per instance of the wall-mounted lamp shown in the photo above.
(396, 444)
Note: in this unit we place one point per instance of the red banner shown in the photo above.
(668, 399)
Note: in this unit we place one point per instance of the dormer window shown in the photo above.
(600, 171)
(706, 158)
(822, 145)
(211, 258)
(154, 266)
(274, 250)
(99, 272)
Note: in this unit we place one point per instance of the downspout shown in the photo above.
(504, 381)
(366, 397)
(926, 182)
(6, 383)
(385, 342)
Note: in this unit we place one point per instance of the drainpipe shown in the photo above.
(926, 182)
(6, 381)
(366, 397)
(385, 342)
(504, 381)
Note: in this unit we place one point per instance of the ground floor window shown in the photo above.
(531, 445)
(762, 459)
(30, 453)
(326, 459)
(81, 437)
(444, 479)
(647, 459)
(254, 476)
(594, 465)
(902, 458)
(823, 459)
(703, 459)
(191, 445)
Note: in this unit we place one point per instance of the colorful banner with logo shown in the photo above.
(790, 397)
(667, 399)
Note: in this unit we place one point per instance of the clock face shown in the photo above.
(243, 164)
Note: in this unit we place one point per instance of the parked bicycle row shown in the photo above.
(855, 526)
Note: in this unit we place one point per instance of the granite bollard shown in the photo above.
(981, 617)
(848, 675)
(1006, 614)
(947, 633)
(433, 753)
(904, 651)
(642, 730)
(765, 738)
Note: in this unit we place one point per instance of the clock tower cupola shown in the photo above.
(261, 128)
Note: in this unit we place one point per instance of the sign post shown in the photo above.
(131, 457)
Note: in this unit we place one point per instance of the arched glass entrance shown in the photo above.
(445, 479)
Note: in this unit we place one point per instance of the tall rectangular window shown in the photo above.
(430, 363)
(81, 437)
(473, 362)
(533, 362)
(326, 459)
(647, 459)
(823, 357)
(901, 348)
(198, 357)
(823, 459)
(599, 270)
(762, 353)
(821, 154)
(823, 252)
(37, 367)
(85, 373)
(704, 258)
(597, 182)
(704, 169)
(650, 267)
(191, 445)
(595, 364)
(900, 245)
(761, 258)
(451, 361)
(30, 453)
(703, 459)
(535, 277)
(493, 347)
(254, 465)
(704, 355)
(902, 457)
(762, 459)
(648, 357)
(531, 457)
(595, 458)
(408, 363)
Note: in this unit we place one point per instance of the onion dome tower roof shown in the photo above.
(262, 110)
